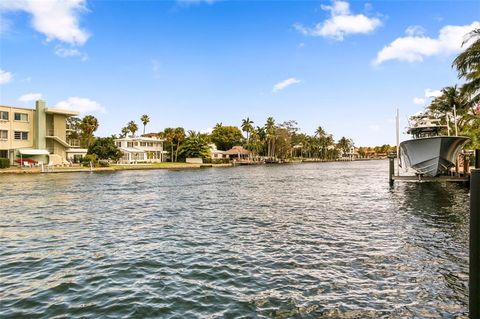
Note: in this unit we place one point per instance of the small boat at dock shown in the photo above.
(428, 152)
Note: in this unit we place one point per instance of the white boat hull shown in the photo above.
(431, 156)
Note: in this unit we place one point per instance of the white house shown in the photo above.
(217, 154)
(140, 149)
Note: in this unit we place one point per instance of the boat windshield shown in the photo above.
(425, 127)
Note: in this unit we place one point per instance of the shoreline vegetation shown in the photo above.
(149, 166)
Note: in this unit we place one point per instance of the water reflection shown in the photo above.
(328, 240)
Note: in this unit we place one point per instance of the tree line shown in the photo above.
(461, 104)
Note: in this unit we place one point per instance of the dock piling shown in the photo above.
(474, 277)
(391, 170)
(477, 158)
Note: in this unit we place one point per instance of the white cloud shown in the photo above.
(56, 19)
(5, 77)
(284, 84)
(419, 101)
(428, 94)
(414, 30)
(415, 47)
(69, 52)
(82, 105)
(29, 97)
(341, 23)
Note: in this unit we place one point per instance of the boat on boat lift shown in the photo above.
(429, 153)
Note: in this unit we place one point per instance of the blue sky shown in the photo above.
(345, 66)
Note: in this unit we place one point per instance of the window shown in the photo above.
(119, 144)
(3, 134)
(4, 153)
(21, 117)
(21, 135)
(143, 144)
(129, 144)
(4, 115)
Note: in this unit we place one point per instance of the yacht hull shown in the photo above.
(431, 156)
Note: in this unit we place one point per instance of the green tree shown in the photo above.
(132, 127)
(124, 132)
(195, 145)
(145, 120)
(247, 127)
(105, 149)
(73, 125)
(225, 137)
(345, 144)
(88, 126)
(178, 139)
(468, 65)
(270, 129)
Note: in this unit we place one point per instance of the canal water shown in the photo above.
(317, 240)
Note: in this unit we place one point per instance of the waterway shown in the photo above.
(317, 240)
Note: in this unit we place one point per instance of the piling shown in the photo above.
(474, 278)
(477, 158)
(391, 170)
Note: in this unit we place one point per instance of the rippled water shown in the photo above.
(326, 240)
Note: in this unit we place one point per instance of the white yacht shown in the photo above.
(428, 152)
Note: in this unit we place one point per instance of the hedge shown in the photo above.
(4, 162)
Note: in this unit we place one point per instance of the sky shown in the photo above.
(343, 65)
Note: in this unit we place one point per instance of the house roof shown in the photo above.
(237, 150)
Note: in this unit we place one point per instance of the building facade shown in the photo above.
(140, 149)
(38, 134)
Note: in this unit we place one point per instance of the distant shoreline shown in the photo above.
(127, 167)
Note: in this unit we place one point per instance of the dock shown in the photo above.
(439, 179)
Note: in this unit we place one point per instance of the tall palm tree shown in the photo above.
(88, 126)
(132, 127)
(468, 65)
(145, 120)
(270, 130)
(179, 137)
(247, 127)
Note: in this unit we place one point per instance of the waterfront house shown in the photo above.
(217, 154)
(39, 135)
(140, 149)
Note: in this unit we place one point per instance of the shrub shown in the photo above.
(103, 163)
(4, 162)
(89, 158)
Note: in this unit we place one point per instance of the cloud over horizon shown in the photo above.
(284, 84)
(342, 22)
(415, 46)
(30, 97)
(82, 105)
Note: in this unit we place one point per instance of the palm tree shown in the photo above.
(124, 131)
(247, 127)
(468, 65)
(270, 130)
(132, 127)
(178, 138)
(145, 120)
(88, 126)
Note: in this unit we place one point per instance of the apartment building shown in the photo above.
(39, 134)
(140, 149)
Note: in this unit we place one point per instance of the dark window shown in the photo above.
(4, 153)
(21, 135)
(3, 115)
(21, 117)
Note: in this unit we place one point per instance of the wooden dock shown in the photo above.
(439, 179)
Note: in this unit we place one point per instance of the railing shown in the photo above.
(73, 142)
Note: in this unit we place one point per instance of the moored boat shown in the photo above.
(430, 153)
